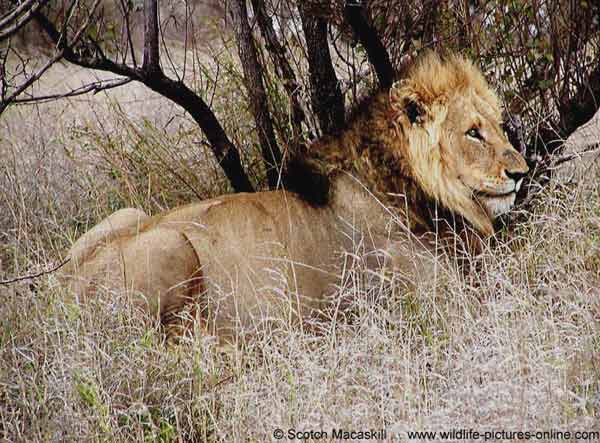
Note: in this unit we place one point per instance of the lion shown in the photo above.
(420, 163)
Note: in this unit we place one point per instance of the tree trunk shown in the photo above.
(326, 95)
(279, 56)
(224, 150)
(257, 96)
(151, 61)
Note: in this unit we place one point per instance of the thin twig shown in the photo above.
(19, 23)
(22, 87)
(39, 274)
(559, 160)
(59, 54)
(94, 87)
(126, 12)
(11, 16)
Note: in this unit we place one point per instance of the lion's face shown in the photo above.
(479, 153)
(449, 121)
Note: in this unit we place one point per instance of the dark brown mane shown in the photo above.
(364, 148)
(309, 169)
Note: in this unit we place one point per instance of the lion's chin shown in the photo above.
(498, 205)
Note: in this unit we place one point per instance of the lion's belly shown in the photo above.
(265, 258)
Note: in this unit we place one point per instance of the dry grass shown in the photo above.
(513, 343)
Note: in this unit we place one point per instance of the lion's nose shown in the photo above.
(515, 165)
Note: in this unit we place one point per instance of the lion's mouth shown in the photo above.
(487, 194)
(515, 187)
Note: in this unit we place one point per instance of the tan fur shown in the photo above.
(239, 262)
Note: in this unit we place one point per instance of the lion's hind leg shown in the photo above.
(161, 265)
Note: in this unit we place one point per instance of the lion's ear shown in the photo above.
(413, 111)
(406, 102)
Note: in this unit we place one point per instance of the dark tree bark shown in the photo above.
(151, 75)
(326, 95)
(367, 36)
(225, 152)
(151, 61)
(257, 96)
(280, 60)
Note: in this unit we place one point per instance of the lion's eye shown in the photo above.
(474, 132)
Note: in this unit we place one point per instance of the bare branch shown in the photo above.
(125, 7)
(29, 81)
(94, 88)
(31, 6)
(10, 17)
(36, 275)
(223, 149)
(59, 54)
(226, 153)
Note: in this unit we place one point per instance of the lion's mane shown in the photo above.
(391, 144)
